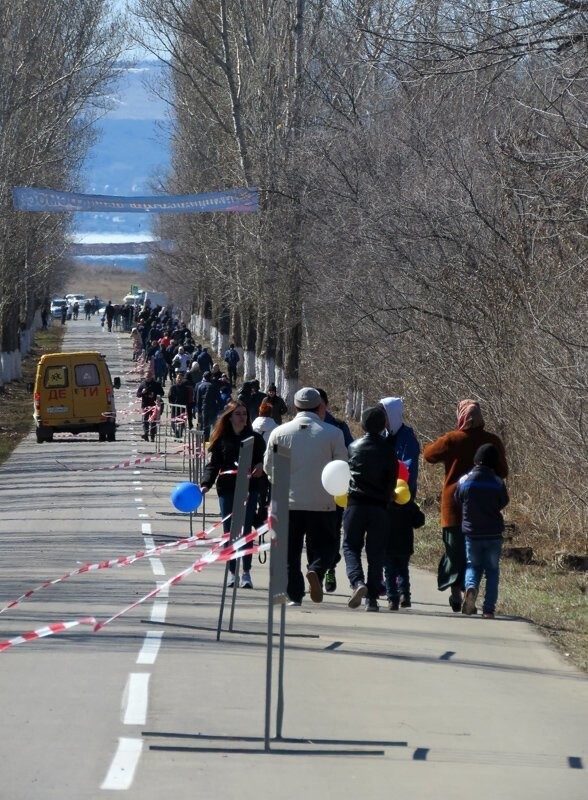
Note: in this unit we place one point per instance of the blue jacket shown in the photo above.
(342, 425)
(408, 450)
(481, 494)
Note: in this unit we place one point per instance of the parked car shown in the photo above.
(57, 304)
(71, 298)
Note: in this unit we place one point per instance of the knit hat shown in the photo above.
(307, 398)
(373, 420)
(486, 456)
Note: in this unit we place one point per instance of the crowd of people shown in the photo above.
(472, 498)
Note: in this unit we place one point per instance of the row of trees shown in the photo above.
(423, 226)
(57, 58)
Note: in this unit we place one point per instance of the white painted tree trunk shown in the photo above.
(279, 380)
(259, 368)
(270, 374)
(213, 337)
(206, 328)
(248, 365)
(223, 344)
(290, 387)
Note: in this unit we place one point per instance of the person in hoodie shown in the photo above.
(456, 450)
(406, 443)
(482, 495)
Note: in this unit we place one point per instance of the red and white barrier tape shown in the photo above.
(130, 463)
(48, 630)
(216, 553)
(126, 561)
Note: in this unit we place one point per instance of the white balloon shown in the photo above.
(335, 477)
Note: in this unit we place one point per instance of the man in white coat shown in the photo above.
(312, 444)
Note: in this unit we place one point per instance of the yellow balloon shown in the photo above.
(341, 500)
(400, 484)
(401, 493)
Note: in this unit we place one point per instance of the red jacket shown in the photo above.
(456, 451)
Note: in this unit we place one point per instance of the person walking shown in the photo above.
(109, 314)
(374, 470)
(232, 358)
(149, 391)
(208, 403)
(456, 450)
(181, 398)
(204, 360)
(232, 428)
(279, 407)
(312, 444)
(482, 495)
(399, 548)
(330, 575)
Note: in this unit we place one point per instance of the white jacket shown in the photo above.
(312, 444)
(264, 425)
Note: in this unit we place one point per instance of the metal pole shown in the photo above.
(280, 707)
(268, 673)
(222, 605)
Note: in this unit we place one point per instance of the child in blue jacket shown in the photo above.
(482, 495)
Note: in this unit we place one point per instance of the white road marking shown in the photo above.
(149, 541)
(159, 611)
(137, 472)
(150, 649)
(137, 698)
(138, 499)
(163, 592)
(141, 508)
(146, 528)
(143, 516)
(121, 772)
(157, 566)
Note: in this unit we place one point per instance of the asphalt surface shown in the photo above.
(418, 703)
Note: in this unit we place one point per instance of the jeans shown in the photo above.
(369, 524)
(397, 577)
(226, 508)
(483, 555)
(319, 529)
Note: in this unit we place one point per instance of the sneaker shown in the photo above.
(330, 581)
(231, 581)
(359, 592)
(372, 605)
(295, 603)
(316, 589)
(405, 601)
(246, 582)
(393, 605)
(488, 615)
(469, 601)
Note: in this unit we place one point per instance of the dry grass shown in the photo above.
(16, 408)
(108, 283)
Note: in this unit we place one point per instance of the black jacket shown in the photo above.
(149, 391)
(224, 455)
(374, 470)
(403, 520)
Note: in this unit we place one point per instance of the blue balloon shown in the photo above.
(186, 497)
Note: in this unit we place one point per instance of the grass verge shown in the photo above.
(555, 600)
(16, 406)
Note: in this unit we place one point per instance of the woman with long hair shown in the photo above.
(232, 427)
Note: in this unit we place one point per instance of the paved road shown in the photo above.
(420, 703)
